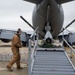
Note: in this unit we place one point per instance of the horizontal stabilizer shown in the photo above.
(34, 1)
(63, 1)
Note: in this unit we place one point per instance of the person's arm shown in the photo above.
(16, 41)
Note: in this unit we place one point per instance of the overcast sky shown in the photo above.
(11, 10)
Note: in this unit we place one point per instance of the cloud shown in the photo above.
(11, 10)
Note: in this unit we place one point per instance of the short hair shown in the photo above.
(18, 30)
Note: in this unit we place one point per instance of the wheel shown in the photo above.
(24, 43)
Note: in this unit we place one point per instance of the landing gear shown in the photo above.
(24, 43)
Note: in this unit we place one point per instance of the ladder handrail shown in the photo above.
(33, 35)
(69, 45)
(32, 53)
(71, 52)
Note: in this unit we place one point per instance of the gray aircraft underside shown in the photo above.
(48, 11)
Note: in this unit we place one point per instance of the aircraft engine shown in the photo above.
(5, 40)
(48, 11)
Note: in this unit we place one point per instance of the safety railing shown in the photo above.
(32, 51)
(71, 50)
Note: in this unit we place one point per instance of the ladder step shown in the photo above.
(52, 73)
(53, 69)
(63, 62)
(50, 66)
(60, 64)
(51, 59)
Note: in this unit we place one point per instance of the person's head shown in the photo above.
(19, 31)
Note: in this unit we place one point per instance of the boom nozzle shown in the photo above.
(48, 39)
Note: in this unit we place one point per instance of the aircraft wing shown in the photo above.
(39, 1)
(63, 1)
(34, 1)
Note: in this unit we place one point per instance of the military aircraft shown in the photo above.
(6, 36)
(68, 35)
(48, 14)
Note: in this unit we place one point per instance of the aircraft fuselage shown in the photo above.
(48, 11)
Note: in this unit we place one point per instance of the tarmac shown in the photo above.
(4, 71)
(5, 48)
